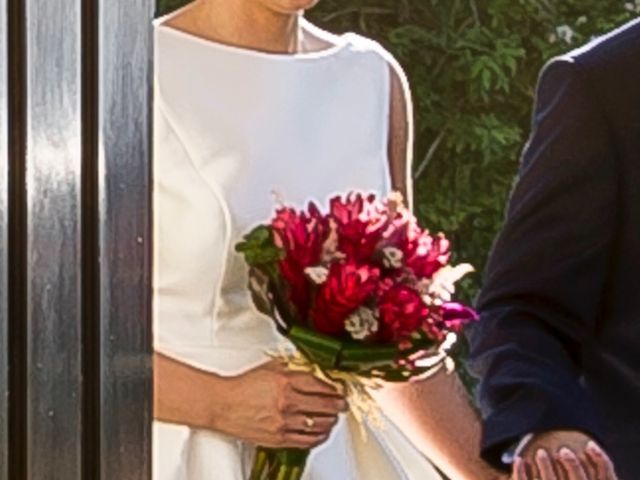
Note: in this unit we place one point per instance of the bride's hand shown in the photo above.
(273, 407)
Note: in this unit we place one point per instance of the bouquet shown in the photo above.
(362, 293)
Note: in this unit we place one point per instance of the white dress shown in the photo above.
(232, 126)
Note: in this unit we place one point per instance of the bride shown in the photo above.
(251, 99)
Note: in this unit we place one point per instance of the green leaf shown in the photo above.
(319, 348)
(259, 249)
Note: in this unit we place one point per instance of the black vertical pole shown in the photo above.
(17, 258)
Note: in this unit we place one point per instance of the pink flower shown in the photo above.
(422, 253)
(360, 222)
(455, 316)
(301, 235)
(430, 254)
(347, 287)
(402, 312)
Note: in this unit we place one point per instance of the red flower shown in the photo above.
(346, 289)
(301, 236)
(360, 222)
(455, 316)
(423, 253)
(402, 233)
(402, 312)
(427, 254)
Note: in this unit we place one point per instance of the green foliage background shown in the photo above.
(473, 66)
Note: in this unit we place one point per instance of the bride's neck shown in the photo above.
(248, 24)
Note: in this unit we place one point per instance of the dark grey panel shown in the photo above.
(4, 315)
(124, 131)
(53, 166)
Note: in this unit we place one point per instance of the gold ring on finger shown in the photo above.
(309, 422)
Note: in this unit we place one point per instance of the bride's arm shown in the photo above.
(401, 134)
(183, 394)
(437, 414)
(267, 405)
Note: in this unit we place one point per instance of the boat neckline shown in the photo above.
(338, 42)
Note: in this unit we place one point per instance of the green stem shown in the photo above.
(287, 472)
(260, 464)
(296, 473)
(283, 473)
(278, 464)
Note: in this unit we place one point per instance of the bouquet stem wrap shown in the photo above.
(279, 464)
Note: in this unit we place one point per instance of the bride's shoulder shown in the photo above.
(365, 46)
(355, 42)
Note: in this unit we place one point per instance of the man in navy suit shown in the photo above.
(558, 345)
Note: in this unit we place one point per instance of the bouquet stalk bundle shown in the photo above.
(362, 293)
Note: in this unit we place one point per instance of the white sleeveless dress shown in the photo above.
(231, 127)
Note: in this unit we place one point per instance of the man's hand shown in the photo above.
(563, 455)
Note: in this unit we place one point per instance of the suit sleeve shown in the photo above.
(548, 270)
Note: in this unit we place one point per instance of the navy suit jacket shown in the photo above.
(558, 344)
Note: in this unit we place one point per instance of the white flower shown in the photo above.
(317, 275)
(330, 246)
(362, 323)
(581, 20)
(395, 202)
(392, 257)
(442, 284)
